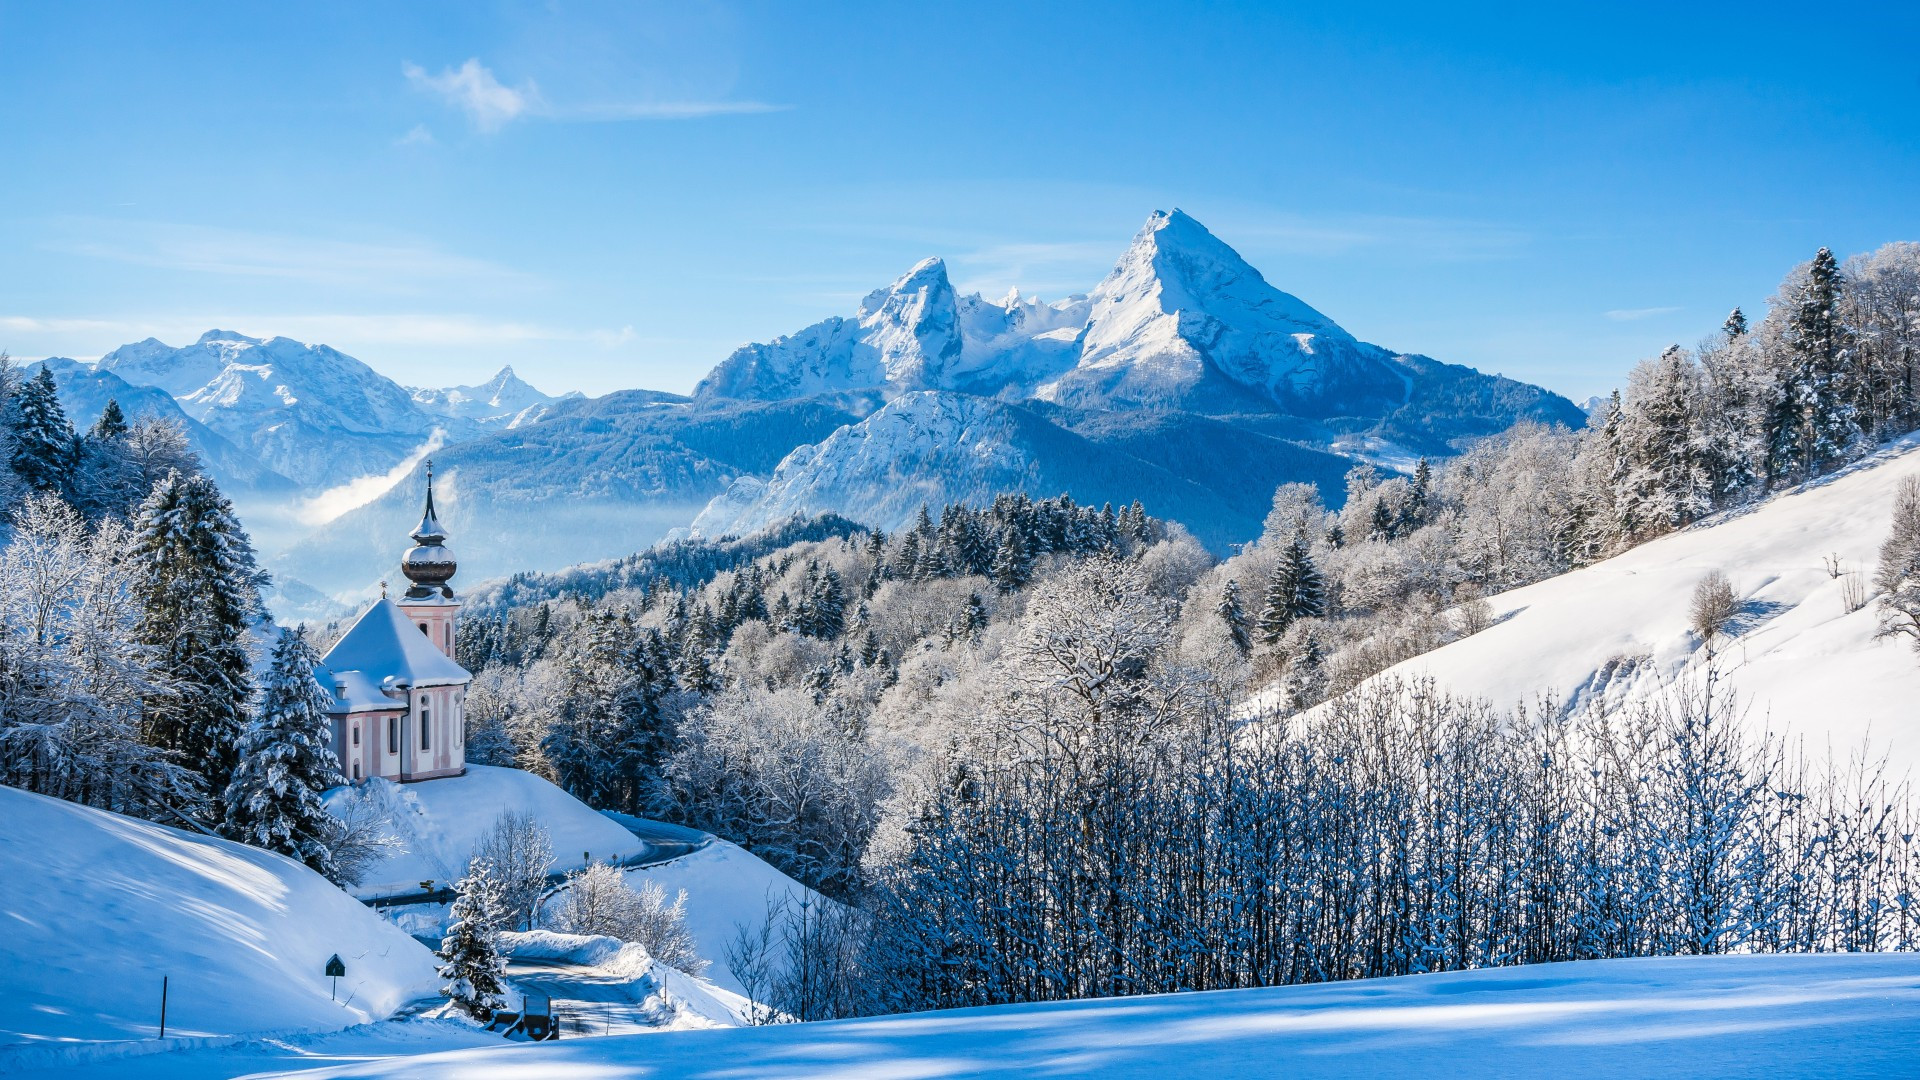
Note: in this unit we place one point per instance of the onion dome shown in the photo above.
(428, 564)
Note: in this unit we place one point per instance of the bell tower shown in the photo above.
(429, 601)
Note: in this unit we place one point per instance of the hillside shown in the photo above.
(99, 907)
(1777, 1016)
(1800, 660)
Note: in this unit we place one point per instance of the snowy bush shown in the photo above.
(598, 901)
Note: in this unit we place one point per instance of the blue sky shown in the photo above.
(615, 195)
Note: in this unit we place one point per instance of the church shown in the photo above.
(398, 694)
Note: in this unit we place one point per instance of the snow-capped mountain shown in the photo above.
(309, 412)
(1182, 322)
(506, 400)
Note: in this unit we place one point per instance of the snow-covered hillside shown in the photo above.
(1729, 1016)
(728, 888)
(97, 908)
(1798, 657)
(439, 821)
(504, 401)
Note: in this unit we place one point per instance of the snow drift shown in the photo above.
(99, 907)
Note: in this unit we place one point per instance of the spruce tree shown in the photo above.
(198, 590)
(1012, 565)
(1234, 614)
(470, 951)
(1736, 324)
(1295, 592)
(112, 423)
(43, 440)
(1814, 421)
(274, 799)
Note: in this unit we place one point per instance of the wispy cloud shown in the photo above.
(345, 331)
(472, 89)
(491, 104)
(1334, 235)
(420, 135)
(1636, 314)
(384, 267)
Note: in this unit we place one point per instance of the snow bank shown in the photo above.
(1844, 1016)
(624, 970)
(1798, 658)
(98, 907)
(440, 821)
(727, 888)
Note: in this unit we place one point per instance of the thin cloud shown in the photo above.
(1636, 314)
(472, 89)
(421, 135)
(385, 267)
(491, 105)
(348, 332)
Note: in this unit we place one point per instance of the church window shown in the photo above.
(356, 770)
(426, 724)
(423, 629)
(356, 734)
(393, 734)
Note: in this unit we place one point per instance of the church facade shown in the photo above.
(399, 697)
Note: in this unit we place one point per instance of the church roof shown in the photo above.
(383, 643)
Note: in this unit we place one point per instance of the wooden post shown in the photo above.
(163, 1006)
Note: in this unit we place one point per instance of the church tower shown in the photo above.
(428, 565)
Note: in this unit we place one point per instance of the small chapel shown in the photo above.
(398, 694)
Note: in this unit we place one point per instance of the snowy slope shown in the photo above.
(937, 447)
(98, 907)
(440, 821)
(1797, 657)
(580, 972)
(1776, 1016)
(727, 888)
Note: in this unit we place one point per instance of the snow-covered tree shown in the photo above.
(43, 439)
(598, 900)
(518, 855)
(1898, 576)
(1233, 613)
(1295, 591)
(197, 588)
(470, 956)
(286, 761)
(1814, 421)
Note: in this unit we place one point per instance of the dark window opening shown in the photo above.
(425, 726)
(393, 734)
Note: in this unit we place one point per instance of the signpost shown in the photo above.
(163, 1006)
(335, 969)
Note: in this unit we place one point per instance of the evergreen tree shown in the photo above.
(1295, 592)
(1413, 513)
(1736, 324)
(1898, 576)
(198, 590)
(1814, 422)
(1234, 614)
(274, 800)
(43, 440)
(470, 951)
(112, 423)
(1012, 565)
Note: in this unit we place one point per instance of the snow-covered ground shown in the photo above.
(1777, 1016)
(97, 908)
(1800, 661)
(440, 821)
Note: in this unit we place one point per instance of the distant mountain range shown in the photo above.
(1183, 379)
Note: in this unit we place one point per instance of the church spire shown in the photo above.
(428, 564)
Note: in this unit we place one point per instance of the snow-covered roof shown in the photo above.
(382, 644)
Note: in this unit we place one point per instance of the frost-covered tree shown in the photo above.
(518, 855)
(197, 590)
(598, 900)
(470, 956)
(43, 439)
(1898, 576)
(1814, 420)
(285, 763)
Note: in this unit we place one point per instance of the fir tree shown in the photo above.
(274, 800)
(1736, 325)
(1814, 421)
(1295, 592)
(470, 951)
(43, 440)
(198, 590)
(1234, 614)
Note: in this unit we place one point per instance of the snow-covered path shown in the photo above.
(1776, 1016)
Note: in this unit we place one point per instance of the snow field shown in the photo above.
(98, 908)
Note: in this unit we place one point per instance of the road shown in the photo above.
(660, 842)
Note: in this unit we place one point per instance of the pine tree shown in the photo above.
(274, 799)
(43, 440)
(1736, 324)
(1234, 614)
(470, 951)
(1814, 422)
(198, 590)
(1295, 592)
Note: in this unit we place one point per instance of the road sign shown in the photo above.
(335, 968)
